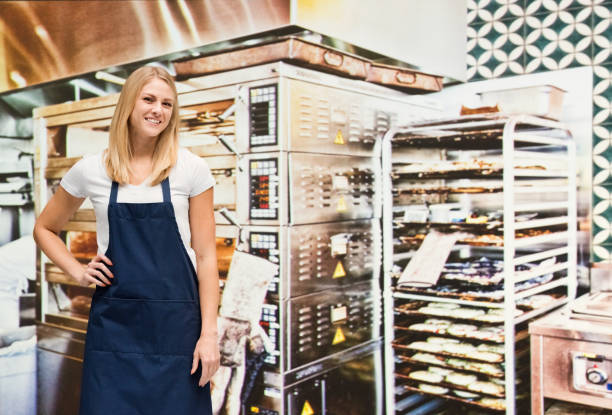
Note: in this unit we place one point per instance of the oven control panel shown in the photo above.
(263, 203)
(592, 373)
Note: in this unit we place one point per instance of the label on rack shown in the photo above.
(339, 271)
(338, 337)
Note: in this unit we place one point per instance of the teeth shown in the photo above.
(153, 121)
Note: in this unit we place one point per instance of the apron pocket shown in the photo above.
(144, 326)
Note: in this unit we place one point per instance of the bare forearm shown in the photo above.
(208, 277)
(55, 249)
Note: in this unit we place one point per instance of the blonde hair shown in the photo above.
(119, 151)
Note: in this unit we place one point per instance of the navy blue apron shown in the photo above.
(143, 328)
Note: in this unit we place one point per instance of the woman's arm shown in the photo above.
(202, 225)
(50, 222)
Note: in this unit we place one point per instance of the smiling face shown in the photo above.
(152, 109)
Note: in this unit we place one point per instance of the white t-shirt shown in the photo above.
(189, 177)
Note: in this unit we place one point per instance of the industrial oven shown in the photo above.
(296, 159)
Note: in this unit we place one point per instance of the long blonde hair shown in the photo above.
(119, 152)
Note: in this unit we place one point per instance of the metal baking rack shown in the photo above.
(534, 192)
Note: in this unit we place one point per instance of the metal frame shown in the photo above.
(509, 155)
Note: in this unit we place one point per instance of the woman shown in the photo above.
(152, 336)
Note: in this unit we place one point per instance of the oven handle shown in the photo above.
(231, 149)
(240, 246)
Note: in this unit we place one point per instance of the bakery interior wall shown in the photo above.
(514, 37)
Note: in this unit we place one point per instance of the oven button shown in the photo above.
(596, 376)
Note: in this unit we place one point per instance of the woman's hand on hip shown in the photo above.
(207, 352)
(96, 272)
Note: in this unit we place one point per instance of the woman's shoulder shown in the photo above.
(193, 170)
(89, 163)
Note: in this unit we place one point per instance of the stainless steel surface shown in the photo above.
(324, 323)
(570, 359)
(562, 324)
(318, 56)
(318, 257)
(595, 304)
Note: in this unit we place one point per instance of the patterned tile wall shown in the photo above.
(511, 37)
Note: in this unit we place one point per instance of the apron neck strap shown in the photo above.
(165, 191)
(113, 195)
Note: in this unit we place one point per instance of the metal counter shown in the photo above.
(570, 359)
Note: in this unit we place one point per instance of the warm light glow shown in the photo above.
(18, 79)
(189, 20)
(41, 32)
(171, 27)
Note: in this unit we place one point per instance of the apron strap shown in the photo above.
(165, 191)
(113, 194)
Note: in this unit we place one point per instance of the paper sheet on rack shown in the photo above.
(245, 290)
(428, 261)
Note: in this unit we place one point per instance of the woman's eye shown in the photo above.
(148, 99)
(168, 104)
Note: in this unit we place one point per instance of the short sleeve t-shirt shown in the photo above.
(189, 177)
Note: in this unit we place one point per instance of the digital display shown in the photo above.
(262, 116)
(263, 189)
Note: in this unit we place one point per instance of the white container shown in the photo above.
(446, 212)
(542, 100)
(416, 213)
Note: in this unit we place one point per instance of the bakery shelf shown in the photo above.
(531, 189)
(521, 276)
(408, 296)
(541, 239)
(519, 171)
(541, 223)
(447, 385)
(541, 206)
(518, 336)
(541, 255)
(468, 367)
(474, 403)
(540, 311)
(559, 282)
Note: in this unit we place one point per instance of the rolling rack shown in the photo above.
(508, 183)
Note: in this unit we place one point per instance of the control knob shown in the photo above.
(596, 376)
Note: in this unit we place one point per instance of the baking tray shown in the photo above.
(455, 398)
(305, 53)
(404, 374)
(410, 360)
